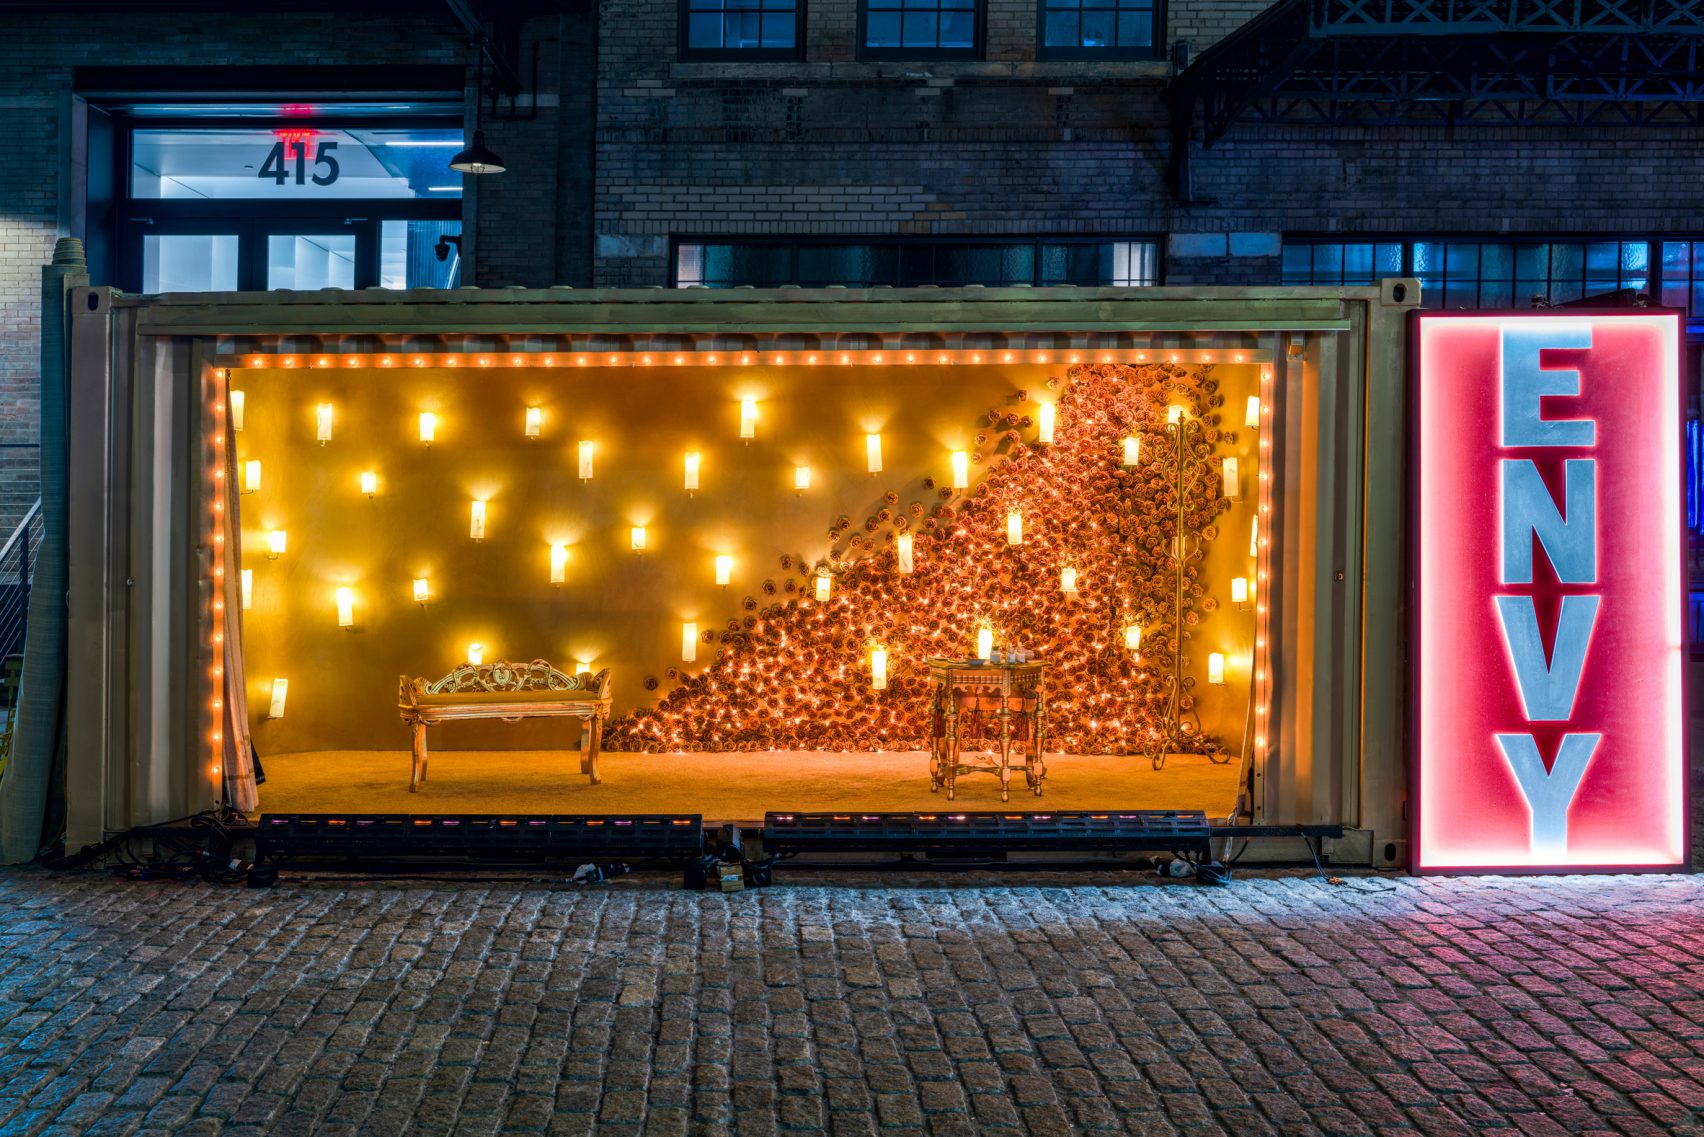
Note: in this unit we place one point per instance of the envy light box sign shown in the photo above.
(1548, 723)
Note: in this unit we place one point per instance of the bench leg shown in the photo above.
(419, 758)
(594, 745)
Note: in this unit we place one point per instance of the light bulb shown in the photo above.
(558, 563)
(1216, 669)
(878, 668)
(1239, 590)
(984, 643)
(251, 475)
(637, 537)
(1068, 579)
(1132, 450)
(1251, 417)
(824, 587)
(534, 421)
(275, 543)
(689, 643)
(476, 520)
(428, 427)
(322, 423)
(1044, 432)
(476, 654)
(692, 459)
(237, 400)
(902, 552)
(346, 607)
(724, 570)
(585, 461)
(1014, 527)
(422, 590)
(801, 478)
(748, 418)
(873, 452)
(369, 483)
(1132, 637)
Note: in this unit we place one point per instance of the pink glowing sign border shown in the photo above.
(1468, 810)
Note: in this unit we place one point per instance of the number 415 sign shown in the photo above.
(290, 155)
(1547, 719)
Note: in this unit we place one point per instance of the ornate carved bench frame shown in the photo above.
(585, 697)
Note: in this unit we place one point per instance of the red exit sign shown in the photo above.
(1548, 593)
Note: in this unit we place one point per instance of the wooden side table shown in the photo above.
(997, 709)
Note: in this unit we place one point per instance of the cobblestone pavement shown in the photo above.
(996, 1004)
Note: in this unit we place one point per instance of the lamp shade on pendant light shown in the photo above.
(477, 158)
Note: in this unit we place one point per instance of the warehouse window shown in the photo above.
(920, 29)
(1098, 29)
(740, 29)
(1472, 273)
(905, 263)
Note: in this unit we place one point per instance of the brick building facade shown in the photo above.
(619, 145)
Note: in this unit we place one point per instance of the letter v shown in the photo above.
(1547, 688)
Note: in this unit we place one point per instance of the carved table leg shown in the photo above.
(595, 748)
(419, 758)
(952, 746)
(1005, 752)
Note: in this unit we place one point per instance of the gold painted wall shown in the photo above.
(616, 609)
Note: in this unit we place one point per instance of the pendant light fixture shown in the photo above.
(478, 158)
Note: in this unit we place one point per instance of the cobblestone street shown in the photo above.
(1042, 1004)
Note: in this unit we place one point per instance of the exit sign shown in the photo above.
(1548, 723)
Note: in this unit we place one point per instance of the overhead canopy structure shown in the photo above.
(1431, 62)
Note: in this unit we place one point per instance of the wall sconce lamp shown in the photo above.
(1216, 669)
(1132, 450)
(322, 423)
(534, 421)
(984, 642)
(824, 586)
(1174, 414)
(248, 589)
(275, 543)
(873, 452)
(878, 668)
(237, 400)
(1132, 637)
(422, 590)
(1014, 527)
(1239, 591)
(689, 643)
(902, 548)
(558, 564)
(692, 460)
(724, 570)
(476, 521)
(1044, 431)
(961, 470)
(428, 427)
(748, 419)
(476, 654)
(280, 693)
(1251, 416)
(1233, 479)
(637, 538)
(1068, 581)
(251, 475)
(346, 608)
(801, 479)
(369, 483)
(586, 460)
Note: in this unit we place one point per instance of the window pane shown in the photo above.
(409, 254)
(1389, 258)
(1497, 263)
(1061, 29)
(309, 262)
(189, 262)
(1099, 29)
(1677, 256)
(1357, 263)
(883, 29)
(1532, 261)
(1328, 264)
(1602, 257)
(927, 25)
(1461, 260)
(295, 163)
(1428, 257)
(689, 265)
(1135, 29)
(1298, 264)
(1567, 262)
(1497, 294)
(1635, 256)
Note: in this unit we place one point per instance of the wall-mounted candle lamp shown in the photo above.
(689, 642)
(422, 590)
(961, 470)
(691, 481)
(984, 642)
(346, 608)
(476, 520)
(558, 563)
(873, 452)
(637, 538)
(534, 421)
(1239, 591)
(878, 668)
(1251, 416)
(369, 482)
(1044, 430)
(748, 419)
(251, 475)
(824, 586)
(248, 589)
(801, 479)
(586, 448)
(724, 570)
(428, 427)
(1132, 450)
(1175, 413)
(1132, 637)
(1014, 527)
(1216, 669)
(1233, 479)
(476, 654)
(275, 543)
(1068, 580)
(902, 552)
(280, 693)
(322, 423)
(581, 667)
(237, 401)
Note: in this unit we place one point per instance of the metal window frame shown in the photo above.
(685, 51)
(1155, 49)
(792, 242)
(881, 54)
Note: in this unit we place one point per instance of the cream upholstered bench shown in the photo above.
(511, 692)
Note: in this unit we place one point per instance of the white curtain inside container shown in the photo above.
(238, 765)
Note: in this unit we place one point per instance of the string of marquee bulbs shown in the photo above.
(791, 672)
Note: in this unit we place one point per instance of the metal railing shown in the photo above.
(17, 572)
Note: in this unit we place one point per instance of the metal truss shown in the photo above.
(1440, 62)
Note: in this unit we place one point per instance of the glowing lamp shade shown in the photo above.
(346, 607)
(824, 587)
(1233, 479)
(902, 552)
(801, 478)
(1068, 579)
(961, 470)
(1174, 414)
(984, 643)
(689, 642)
(369, 482)
(1251, 416)
(878, 668)
(692, 460)
(276, 542)
(1044, 431)
(586, 448)
(748, 418)
(422, 590)
(322, 422)
(476, 520)
(248, 589)
(1014, 527)
(637, 538)
(1132, 638)
(558, 563)
(581, 667)
(1132, 450)
(724, 570)
(428, 427)
(1216, 668)
(1239, 590)
(476, 654)
(873, 452)
(236, 410)
(251, 475)
(534, 421)
(280, 693)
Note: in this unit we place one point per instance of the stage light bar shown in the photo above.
(1152, 830)
(485, 836)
